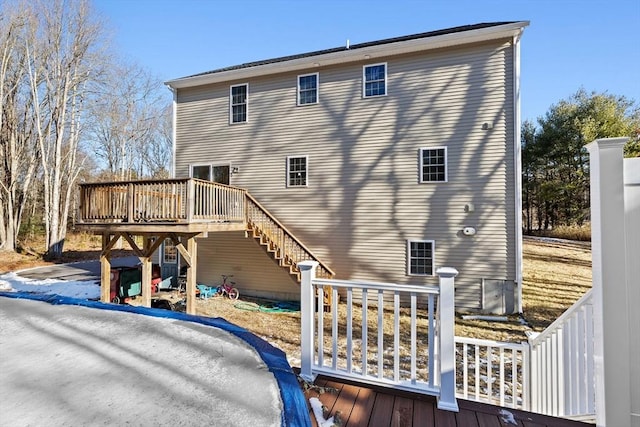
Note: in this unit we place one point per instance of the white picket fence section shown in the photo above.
(562, 364)
(493, 372)
(370, 348)
(552, 374)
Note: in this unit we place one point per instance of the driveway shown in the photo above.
(80, 271)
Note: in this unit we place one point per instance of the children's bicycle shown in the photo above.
(227, 288)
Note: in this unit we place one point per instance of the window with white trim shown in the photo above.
(297, 168)
(374, 80)
(201, 172)
(433, 164)
(308, 89)
(420, 257)
(238, 108)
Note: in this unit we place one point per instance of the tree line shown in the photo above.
(555, 163)
(70, 109)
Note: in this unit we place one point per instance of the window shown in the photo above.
(201, 172)
(170, 255)
(308, 89)
(297, 171)
(238, 103)
(374, 80)
(433, 164)
(420, 257)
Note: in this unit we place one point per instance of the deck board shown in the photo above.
(402, 412)
(467, 418)
(382, 411)
(488, 420)
(423, 413)
(362, 410)
(369, 406)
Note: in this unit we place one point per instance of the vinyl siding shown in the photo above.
(364, 199)
(255, 274)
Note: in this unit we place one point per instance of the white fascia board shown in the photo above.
(506, 31)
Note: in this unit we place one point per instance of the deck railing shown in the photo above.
(552, 374)
(172, 200)
(562, 364)
(493, 372)
(393, 335)
(365, 339)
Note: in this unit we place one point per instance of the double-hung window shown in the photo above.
(308, 89)
(238, 108)
(297, 168)
(374, 80)
(420, 257)
(433, 164)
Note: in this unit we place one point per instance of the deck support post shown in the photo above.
(105, 270)
(146, 272)
(192, 247)
(307, 304)
(447, 346)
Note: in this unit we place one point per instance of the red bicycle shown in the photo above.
(227, 288)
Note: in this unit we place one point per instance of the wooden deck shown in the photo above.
(376, 407)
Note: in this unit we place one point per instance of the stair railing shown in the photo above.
(280, 241)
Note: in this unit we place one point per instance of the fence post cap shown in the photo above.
(307, 265)
(447, 272)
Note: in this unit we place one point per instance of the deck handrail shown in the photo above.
(177, 200)
(427, 364)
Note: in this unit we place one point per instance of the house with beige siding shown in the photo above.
(385, 160)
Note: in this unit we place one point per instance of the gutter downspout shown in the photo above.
(518, 166)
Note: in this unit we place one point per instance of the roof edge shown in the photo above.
(359, 52)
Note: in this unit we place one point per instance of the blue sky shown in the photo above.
(569, 44)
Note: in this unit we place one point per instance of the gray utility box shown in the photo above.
(498, 296)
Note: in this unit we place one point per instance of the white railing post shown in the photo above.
(307, 312)
(611, 318)
(446, 334)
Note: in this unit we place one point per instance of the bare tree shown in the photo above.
(19, 153)
(60, 62)
(157, 153)
(126, 119)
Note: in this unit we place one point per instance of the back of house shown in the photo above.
(386, 159)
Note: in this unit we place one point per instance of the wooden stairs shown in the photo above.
(283, 247)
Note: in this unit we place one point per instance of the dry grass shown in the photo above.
(556, 274)
(568, 232)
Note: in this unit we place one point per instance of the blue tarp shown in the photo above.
(294, 412)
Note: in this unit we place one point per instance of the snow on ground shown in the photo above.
(10, 282)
